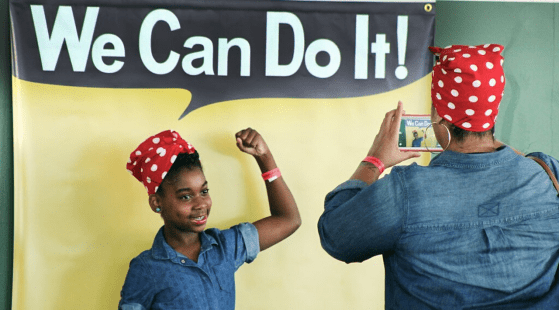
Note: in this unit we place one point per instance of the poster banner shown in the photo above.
(92, 79)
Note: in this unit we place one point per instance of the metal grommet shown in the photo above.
(428, 7)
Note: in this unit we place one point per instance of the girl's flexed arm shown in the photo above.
(284, 219)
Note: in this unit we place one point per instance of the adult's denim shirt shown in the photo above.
(163, 279)
(469, 231)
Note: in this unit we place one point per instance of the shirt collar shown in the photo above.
(477, 160)
(162, 250)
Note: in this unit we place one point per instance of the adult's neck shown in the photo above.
(474, 144)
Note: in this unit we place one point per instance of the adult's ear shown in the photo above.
(155, 203)
(435, 117)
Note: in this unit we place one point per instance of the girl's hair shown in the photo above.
(184, 161)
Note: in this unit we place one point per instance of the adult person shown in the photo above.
(476, 229)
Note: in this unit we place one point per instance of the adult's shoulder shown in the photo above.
(551, 162)
(543, 156)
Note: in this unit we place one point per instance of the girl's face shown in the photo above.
(186, 203)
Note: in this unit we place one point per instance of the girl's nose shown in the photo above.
(201, 202)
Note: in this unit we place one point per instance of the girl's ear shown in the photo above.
(155, 203)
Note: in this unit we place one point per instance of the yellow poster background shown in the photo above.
(80, 217)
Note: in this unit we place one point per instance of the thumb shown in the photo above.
(409, 155)
(240, 144)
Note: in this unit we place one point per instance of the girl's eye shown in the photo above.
(186, 197)
(206, 191)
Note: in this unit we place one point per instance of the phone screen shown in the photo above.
(416, 134)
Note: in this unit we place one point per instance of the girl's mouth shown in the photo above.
(200, 220)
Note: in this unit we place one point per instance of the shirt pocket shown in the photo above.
(225, 276)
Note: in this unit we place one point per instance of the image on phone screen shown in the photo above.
(416, 134)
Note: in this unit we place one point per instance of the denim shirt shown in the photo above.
(469, 231)
(161, 278)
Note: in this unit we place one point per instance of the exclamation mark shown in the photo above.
(402, 34)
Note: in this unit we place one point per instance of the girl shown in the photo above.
(189, 266)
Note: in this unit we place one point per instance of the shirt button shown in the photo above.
(183, 261)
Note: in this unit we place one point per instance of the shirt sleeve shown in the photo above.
(138, 289)
(242, 243)
(250, 237)
(361, 221)
(132, 306)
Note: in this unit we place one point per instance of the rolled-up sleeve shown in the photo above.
(250, 237)
(361, 221)
(131, 307)
(138, 289)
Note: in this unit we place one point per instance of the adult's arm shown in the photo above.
(363, 217)
(361, 221)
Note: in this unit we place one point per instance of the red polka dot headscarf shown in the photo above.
(152, 159)
(468, 84)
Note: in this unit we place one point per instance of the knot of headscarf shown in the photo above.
(467, 85)
(152, 159)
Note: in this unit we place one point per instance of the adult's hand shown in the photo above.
(385, 145)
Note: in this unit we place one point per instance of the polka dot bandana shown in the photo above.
(468, 84)
(152, 159)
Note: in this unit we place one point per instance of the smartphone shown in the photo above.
(416, 134)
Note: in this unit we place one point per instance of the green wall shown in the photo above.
(526, 120)
(529, 113)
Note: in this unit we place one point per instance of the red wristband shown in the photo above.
(375, 161)
(271, 175)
